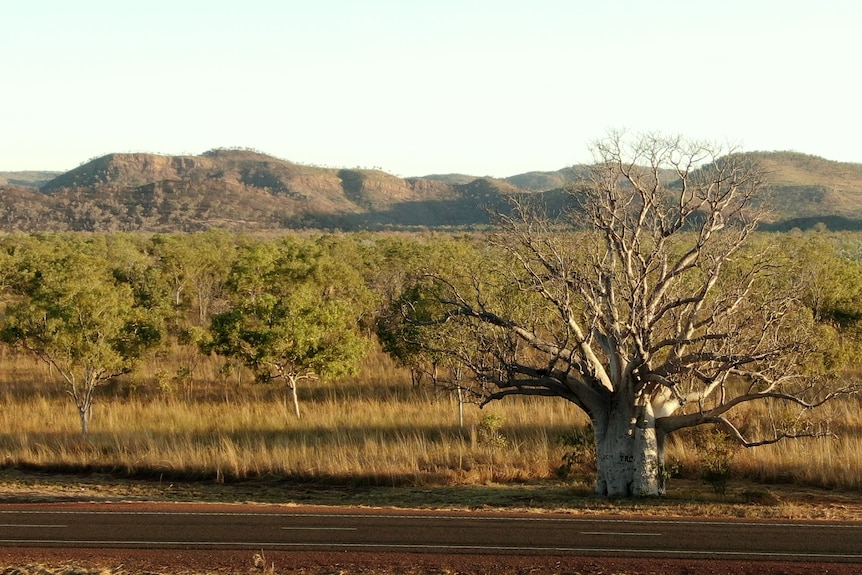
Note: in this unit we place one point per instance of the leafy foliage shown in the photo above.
(582, 451)
(715, 450)
(292, 315)
(70, 310)
(489, 431)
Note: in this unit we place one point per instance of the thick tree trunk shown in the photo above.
(629, 451)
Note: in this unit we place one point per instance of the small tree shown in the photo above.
(652, 319)
(285, 323)
(429, 354)
(69, 310)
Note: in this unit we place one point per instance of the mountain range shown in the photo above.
(240, 189)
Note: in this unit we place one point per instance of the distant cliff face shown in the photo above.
(247, 190)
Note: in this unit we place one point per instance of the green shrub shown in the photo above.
(716, 450)
(488, 431)
(582, 453)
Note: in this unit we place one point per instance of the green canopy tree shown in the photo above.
(437, 355)
(69, 310)
(294, 314)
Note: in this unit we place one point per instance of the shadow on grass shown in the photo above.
(684, 498)
(171, 456)
(108, 443)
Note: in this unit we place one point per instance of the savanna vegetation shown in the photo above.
(189, 356)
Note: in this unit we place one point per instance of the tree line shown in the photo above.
(292, 308)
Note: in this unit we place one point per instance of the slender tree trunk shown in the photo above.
(85, 422)
(460, 408)
(83, 398)
(292, 386)
(85, 412)
(629, 451)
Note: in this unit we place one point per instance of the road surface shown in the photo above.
(274, 528)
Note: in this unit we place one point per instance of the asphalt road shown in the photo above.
(139, 526)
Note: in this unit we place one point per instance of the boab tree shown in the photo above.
(657, 315)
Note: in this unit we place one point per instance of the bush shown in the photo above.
(716, 450)
(488, 431)
(582, 453)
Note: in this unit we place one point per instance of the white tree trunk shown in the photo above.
(83, 398)
(460, 408)
(294, 396)
(84, 414)
(629, 452)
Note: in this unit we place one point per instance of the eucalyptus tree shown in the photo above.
(429, 353)
(656, 316)
(294, 314)
(69, 309)
(830, 279)
(195, 266)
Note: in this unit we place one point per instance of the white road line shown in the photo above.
(320, 528)
(621, 533)
(591, 550)
(482, 518)
(34, 526)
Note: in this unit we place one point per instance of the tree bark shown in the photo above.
(629, 451)
(83, 398)
(292, 386)
(85, 411)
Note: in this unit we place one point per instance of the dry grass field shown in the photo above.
(173, 421)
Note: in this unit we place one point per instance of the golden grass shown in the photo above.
(381, 432)
(375, 429)
(361, 440)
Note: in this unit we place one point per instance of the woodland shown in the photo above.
(224, 356)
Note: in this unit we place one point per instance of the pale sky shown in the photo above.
(417, 87)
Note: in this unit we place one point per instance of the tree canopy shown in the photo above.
(294, 314)
(70, 310)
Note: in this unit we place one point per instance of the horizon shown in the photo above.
(372, 167)
(477, 87)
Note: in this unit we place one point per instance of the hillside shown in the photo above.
(542, 181)
(242, 190)
(248, 190)
(31, 179)
(809, 189)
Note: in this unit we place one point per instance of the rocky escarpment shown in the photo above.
(248, 190)
(245, 189)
